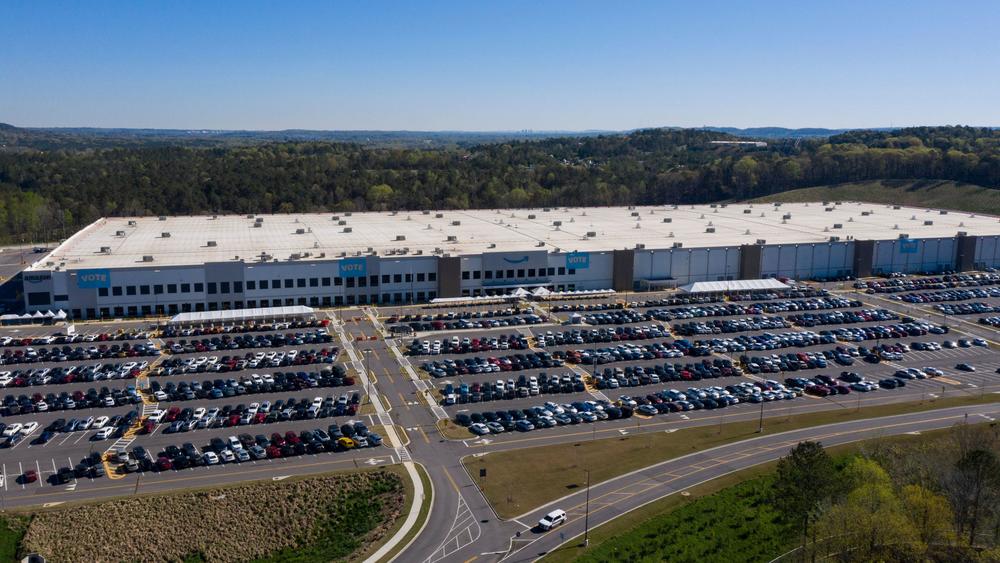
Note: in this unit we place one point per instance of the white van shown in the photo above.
(552, 519)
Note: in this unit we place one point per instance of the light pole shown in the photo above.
(586, 515)
(760, 424)
(366, 353)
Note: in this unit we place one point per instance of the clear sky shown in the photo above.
(502, 65)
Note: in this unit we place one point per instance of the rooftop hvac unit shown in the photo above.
(838, 225)
(635, 214)
(105, 250)
(747, 211)
(709, 229)
(455, 223)
(425, 212)
(341, 222)
(761, 241)
(163, 217)
(249, 215)
(677, 245)
(119, 233)
(493, 245)
(215, 217)
(452, 238)
(394, 213)
(256, 225)
(834, 239)
(962, 234)
(531, 216)
(777, 204)
(591, 234)
(640, 246)
(418, 251)
(942, 212)
(300, 231)
(540, 243)
(865, 213)
(631, 207)
(439, 215)
(904, 236)
(546, 209)
(668, 220)
(897, 207)
(827, 209)
(557, 223)
(212, 243)
(132, 223)
(928, 223)
(335, 218)
(400, 237)
(165, 235)
(713, 206)
(147, 258)
(348, 214)
(786, 216)
(258, 220)
(348, 230)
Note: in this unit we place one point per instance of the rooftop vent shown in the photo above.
(635, 214)
(163, 217)
(532, 216)
(426, 212)
(300, 231)
(827, 209)
(786, 216)
(119, 233)
(640, 246)
(928, 223)
(341, 222)
(834, 239)
(540, 243)
(212, 243)
(942, 212)
(105, 250)
(348, 229)
(962, 234)
(256, 225)
(865, 213)
(165, 234)
(546, 209)
(249, 215)
(838, 225)
(557, 223)
(335, 218)
(400, 237)
(904, 236)
(761, 241)
(258, 220)
(747, 211)
(147, 258)
(677, 245)
(668, 220)
(897, 207)
(347, 214)
(591, 234)
(132, 223)
(439, 215)
(493, 245)
(455, 223)
(452, 238)
(709, 229)
(214, 217)
(713, 206)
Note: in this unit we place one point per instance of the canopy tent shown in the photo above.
(36, 317)
(243, 315)
(472, 300)
(732, 286)
(580, 293)
(540, 292)
(520, 292)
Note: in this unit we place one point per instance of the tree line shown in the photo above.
(46, 195)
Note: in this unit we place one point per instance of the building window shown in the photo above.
(488, 274)
(409, 278)
(301, 282)
(420, 277)
(144, 289)
(397, 278)
(499, 274)
(116, 291)
(199, 287)
(313, 282)
(237, 287)
(158, 289)
(119, 311)
(39, 298)
(476, 275)
(571, 272)
(171, 288)
(289, 283)
(146, 309)
(326, 282)
(531, 272)
(465, 275)
(552, 271)
(385, 278)
(102, 292)
(432, 295)
(251, 285)
(224, 287)
(314, 301)
(362, 282)
(338, 281)
(562, 270)
(432, 276)
(350, 283)
(185, 288)
(510, 274)
(520, 274)
(338, 300)
(212, 290)
(373, 281)
(265, 303)
(130, 290)
(263, 284)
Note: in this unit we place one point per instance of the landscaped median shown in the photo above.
(342, 516)
(521, 480)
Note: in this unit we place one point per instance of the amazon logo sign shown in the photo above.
(520, 260)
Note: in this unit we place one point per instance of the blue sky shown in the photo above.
(470, 65)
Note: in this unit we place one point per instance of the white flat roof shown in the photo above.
(128, 239)
(733, 285)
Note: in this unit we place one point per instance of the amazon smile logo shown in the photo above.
(520, 260)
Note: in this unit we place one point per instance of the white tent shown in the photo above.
(520, 292)
(37, 315)
(241, 315)
(540, 292)
(726, 286)
(60, 314)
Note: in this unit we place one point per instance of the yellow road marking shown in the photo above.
(424, 434)
(454, 485)
(402, 401)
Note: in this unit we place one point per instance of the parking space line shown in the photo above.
(38, 468)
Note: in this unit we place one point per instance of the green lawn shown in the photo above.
(11, 531)
(921, 193)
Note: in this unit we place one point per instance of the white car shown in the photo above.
(552, 519)
(235, 443)
(227, 456)
(157, 415)
(479, 429)
(199, 413)
(85, 424)
(100, 422)
(210, 458)
(13, 429)
(29, 428)
(104, 433)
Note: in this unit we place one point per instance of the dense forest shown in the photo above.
(45, 195)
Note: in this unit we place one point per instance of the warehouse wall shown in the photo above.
(987, 252)
(686, 265)
(805, 261)
(931, 255)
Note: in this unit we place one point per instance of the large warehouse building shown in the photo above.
(166, 265)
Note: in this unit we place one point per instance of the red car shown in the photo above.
(291, 437)
(277, 440)
(273, 452)
(29, 476)
(164, 464)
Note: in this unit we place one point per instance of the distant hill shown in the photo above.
(933, 194)
(782, 132)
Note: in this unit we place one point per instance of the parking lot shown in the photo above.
(204, 402)
(636, 363)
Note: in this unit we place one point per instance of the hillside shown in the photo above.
(941, 194)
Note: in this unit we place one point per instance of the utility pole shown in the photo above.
(586, 515)
(760, 424)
